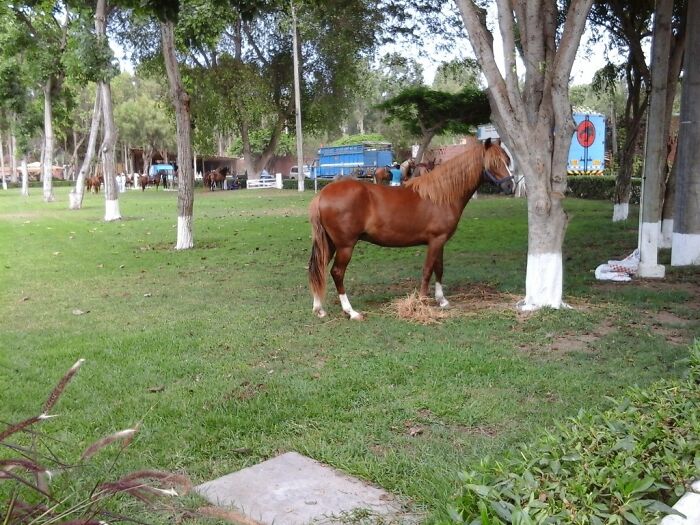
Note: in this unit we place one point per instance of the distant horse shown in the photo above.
(92, 184)
(143, 182)
(382, 175)
(215, 178)
(424, 211)
(422, 168)
(129, 181)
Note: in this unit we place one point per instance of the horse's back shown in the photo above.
(383, 215)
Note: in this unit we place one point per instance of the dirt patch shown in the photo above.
(464, 302)
(479, 430)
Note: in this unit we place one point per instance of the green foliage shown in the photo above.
(600, 188)
(422, 110)
(625, 465)
(454, 76)
(142, 113)
(88, 58)
(359, 139)
(259, 139)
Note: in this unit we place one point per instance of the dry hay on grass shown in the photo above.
(423, 310)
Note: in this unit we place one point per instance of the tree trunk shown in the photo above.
(686, 227)
(25, 177)
(110, 135)
(76, 195)
(425, 142)
(666, 240)
(528, 120)
(655, 155)
(181, 100)
(2, 164)
(13, 156)
(633, 119)
(47, 162)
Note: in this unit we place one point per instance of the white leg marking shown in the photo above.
(318, 307)
(347, 308)
(440, 296)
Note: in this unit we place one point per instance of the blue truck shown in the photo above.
(359, 160)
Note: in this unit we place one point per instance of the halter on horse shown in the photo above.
(424, 211)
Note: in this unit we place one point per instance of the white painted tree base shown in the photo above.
(686, 249)
(666, 238)
(185, 239)
(74, 201)
(112, 211)
(48, 196)
(649, 266)
(621, 212)
(543, 283)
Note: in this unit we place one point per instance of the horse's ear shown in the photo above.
(487, 143)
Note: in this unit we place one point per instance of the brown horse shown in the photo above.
(215, 178)
(424, 211)
(382, 175)
(143, 182)
(422, 168)
(92, 184)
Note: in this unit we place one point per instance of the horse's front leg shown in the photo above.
(340, 263)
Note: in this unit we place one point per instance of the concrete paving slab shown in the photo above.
(292, 489)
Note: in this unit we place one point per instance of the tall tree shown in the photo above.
(535, 119)
(109, 139)
(656, 155)
(426, 112)
(48, 24)
(686, 227)
(626, 24)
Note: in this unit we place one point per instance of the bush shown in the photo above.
(627, 464)
(599, 188)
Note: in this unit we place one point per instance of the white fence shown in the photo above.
(265, 183)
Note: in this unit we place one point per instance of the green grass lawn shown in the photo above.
(215, 351)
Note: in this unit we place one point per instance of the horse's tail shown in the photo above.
(320, 250)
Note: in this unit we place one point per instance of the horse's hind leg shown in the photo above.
(433, 263)
(340, 263)
(439, 295)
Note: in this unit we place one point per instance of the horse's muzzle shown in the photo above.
(506, 184)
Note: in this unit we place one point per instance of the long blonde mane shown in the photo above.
(450, 181)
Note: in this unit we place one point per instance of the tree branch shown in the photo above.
(252, 41)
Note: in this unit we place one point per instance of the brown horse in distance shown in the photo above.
(92, 184)
(382, 175)
(422, 168)
(215, 178)
(425, 211)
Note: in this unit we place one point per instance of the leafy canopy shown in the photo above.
(423, 110)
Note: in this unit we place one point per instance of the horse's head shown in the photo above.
(496, 167)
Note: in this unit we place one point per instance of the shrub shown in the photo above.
(599, 188)
(627, 464)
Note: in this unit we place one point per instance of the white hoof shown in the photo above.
(443, 303)
(356, 316)
(321, 313)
